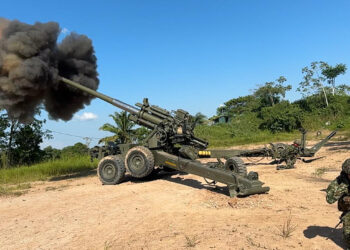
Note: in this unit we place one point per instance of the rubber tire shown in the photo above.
(280, 146)
(117, 163)
(236, 165)
(148, 160)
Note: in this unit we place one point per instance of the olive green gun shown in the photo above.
(171, 144)
(277, 151)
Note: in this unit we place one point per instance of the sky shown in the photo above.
(190, 54)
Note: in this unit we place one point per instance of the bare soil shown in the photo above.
(177, 211)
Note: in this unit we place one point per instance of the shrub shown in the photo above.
(281, 117)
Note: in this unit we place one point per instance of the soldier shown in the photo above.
(338, 190)
(289, 155)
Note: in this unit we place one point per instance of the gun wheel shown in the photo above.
(280, 146)
(139, 161)
(111, 170)
(236, 165)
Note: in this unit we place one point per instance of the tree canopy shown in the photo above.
(323, 102)
(123, 129)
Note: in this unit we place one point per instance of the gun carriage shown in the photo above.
(171, 144)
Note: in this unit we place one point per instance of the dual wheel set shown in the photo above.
(139, 161)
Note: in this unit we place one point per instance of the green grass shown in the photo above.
(14, 190)
(44, 170)
(221, 136)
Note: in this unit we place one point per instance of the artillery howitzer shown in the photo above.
(280, 152)
(171, 144)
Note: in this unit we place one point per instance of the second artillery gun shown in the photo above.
(279, 152)
(171, 144)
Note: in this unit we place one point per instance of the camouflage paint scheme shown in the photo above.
(289, 155)
(338, 190)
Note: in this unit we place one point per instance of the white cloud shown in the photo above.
(221, 105)
(86, 116)
(65, 31)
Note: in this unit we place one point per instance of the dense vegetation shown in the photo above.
(20, 144)
(266, 115)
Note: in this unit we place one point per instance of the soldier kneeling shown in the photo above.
(338, 190)
(289, 155)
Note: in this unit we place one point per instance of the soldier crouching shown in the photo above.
(338, 190)
(289, 155)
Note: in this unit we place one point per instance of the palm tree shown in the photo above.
(122, 130)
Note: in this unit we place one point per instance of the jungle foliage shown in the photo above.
(265, 113)
(20, 143)
(123, 130)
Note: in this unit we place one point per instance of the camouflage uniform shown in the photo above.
(338, 190)
(289, 155)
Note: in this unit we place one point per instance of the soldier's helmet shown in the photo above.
(297, 142)
(346, 166)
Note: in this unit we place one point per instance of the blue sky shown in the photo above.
(189, 54)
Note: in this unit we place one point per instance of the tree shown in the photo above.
(4, 124)
(122, 130)
(238, 106)
(271, 93)
(313, 80)
(315, 76)
(343, 89)
(333, 72)
(51, 153)
(140, 134)
(13, 128)
(76, 150)
(25, 148)
(281, 117)
(199, 119)
(21, 142)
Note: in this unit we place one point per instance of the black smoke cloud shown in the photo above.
(31, 62)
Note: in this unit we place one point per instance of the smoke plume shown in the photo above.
(31, 61)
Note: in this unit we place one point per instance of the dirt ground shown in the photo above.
(177, 211)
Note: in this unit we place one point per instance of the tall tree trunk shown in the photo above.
(333, 85)
(271, 99)
(9, 145)
(325, 96)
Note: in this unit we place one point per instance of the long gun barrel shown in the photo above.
(317, 147)
(145, 119)
(176, 128)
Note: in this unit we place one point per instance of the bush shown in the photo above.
(77, 149)
(51, 153)
(244, 125)
(282, 117)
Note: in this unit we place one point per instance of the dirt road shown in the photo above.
(176, 211)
